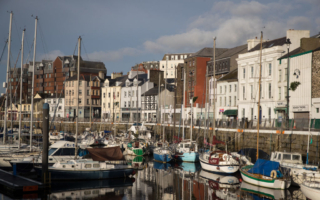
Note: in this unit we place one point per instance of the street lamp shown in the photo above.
(288, 71)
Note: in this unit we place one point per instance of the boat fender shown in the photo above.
(225, 156)
(273, 174)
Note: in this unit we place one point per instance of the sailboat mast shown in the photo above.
(259, 95)
(78, 79)
(7, 80)
(214, 89)
(33, 67)
(184, 96)
(90, 102)
(21, 78)
(165, 88)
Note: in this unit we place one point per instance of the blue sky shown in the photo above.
(123, 33)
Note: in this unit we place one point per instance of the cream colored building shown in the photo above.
(110, 99)
(89, 96)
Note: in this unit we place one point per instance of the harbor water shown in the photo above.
(154, 180)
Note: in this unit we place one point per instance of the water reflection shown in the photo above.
(168, 181)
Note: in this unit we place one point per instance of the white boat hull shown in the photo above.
(310, 192)
(227, 169)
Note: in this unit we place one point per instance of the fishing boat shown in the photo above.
(292, 165)
(265, 173)
(311, 189)
(187, 151)
(105, 163)
(162, 154)
(59, 151)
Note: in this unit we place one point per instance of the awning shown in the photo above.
(280, 109)
(230, 112)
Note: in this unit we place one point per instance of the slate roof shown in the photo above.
(151, 92)
(296, 51)
(269, 44)
(231, 76)
(83, 78)
(230, 52)
(208, 52)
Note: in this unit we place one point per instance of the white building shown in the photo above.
(272, 99)
(132, 88)
(173, 61)
(227, 96)
(56, 105)
(110, 99)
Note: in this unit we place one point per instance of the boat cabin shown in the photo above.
(187, 146)
(286, 157)
(62, 148)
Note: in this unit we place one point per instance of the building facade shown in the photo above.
(56, 106)
(169, 63)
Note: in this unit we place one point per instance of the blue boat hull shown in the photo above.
(162, 157)
(88, 175)
(188, 157)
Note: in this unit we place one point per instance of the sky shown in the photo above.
(123, 33)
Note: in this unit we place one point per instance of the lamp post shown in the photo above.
(288, 71)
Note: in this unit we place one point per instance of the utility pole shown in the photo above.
(32, 91)
(21, 76)
(7, 81)
(288, 72)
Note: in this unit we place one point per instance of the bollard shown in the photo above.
(45, 139)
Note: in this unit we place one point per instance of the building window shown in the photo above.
(220, 101)
(125, 104)
(88, 102)
(104, 95)
(279, 93)
(108, 105)
(235, 100)
(270, 69)
(235, 88)
(132, 104)
(108, 94)
(67, 92)
(79, 101)
(125, 94)
(72, 92)
(229, 101)
(88, 84)
(252, 72)
(251, 86)
(229, 88)
(225, 101)
(72, 83)
(317, 110)
(225, 89)
(243, 113)
(117, 94)
(285, 74)
(80, 82)
(269, 90)
(129, 94)
(251, 113)
(244, 73)
(280, 75)
(244, 93)
(269, 113)
(88, 93)
(220, 89)
(132, 93)
(129, 103)
(285, 92)
(80, 92)
(24, 108)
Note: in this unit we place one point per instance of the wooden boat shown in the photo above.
(264, 174)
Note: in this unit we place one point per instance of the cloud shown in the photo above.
(52, 55)
(113, 55)
(299, 22)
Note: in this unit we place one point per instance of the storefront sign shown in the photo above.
(221, 110)
(281, 104)
(301, 108)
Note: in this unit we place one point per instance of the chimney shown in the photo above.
(252, 43)
(101, 75)
(295, 36)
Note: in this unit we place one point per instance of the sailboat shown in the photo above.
(264, 173)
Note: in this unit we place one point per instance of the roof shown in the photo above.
(233, 51)
(233, 75)
(151, 92)
(269, 44)
(297, 50)
(54, 96)
(83, 77)
(208, 52)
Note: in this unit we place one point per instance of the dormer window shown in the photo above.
(106, 84)
(127, 84)
(66, 62)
